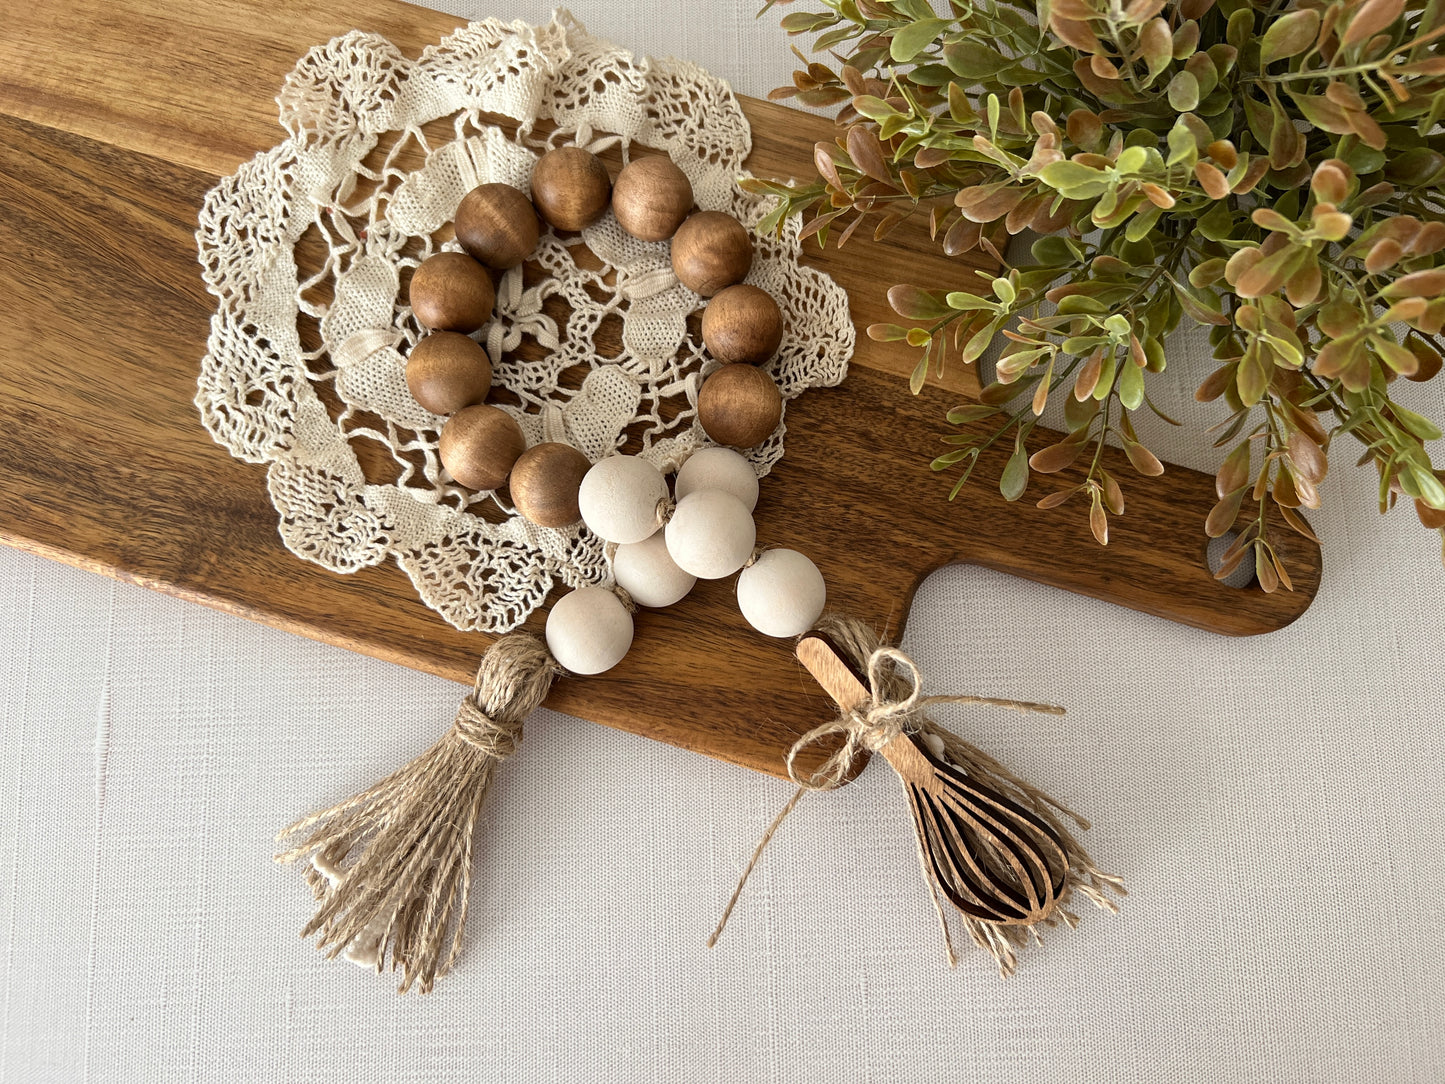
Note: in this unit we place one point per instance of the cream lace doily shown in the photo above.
(307, 247)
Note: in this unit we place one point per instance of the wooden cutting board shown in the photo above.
(116, 116)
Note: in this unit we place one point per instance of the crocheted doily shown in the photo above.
(307, 247)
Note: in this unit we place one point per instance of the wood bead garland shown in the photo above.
(739, 405)
(497, 225)
(545, 482)
(743, 324)
(718, 468)
(621, 498)
(710, 251)
(447, 371)
(710, 534)
(589, 630)
(451, 292)
(651, 198)
(781, 593)
(479, 444)
(647, 572)
(570, 188)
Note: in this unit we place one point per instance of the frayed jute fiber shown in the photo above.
(392, 866)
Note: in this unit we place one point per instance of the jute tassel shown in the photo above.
(997, 848)
(392, 866)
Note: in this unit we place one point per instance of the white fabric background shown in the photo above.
(1276, 805)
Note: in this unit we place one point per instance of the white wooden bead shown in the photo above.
(589, 630)
(781, 593)
(711, 534)
(619, 498)
(718, 468)
(646, 572)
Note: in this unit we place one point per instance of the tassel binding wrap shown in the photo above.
(392, 866)
(997, 848)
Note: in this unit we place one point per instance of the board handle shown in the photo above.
(1156, 561)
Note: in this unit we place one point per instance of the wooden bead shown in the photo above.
(544, 484)
(710, 251)
(589, 630)
(497, 224)
(718, 468)
(742, 323)
(447, 371)
(781, 593)
(619, 498)
(710, 534)
(479, 444)
(451, 292)
(739, 406)
(570, 187)
(647, 572)
(651, 198)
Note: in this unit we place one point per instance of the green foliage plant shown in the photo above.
(1271, 170)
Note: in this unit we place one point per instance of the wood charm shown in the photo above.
(710, 251)
(990, 843)
(742, 323)
(497, 225)
(991, 859)
(652, 197)
(479, 444)
(451, 292)
(739, 405)
(544, 484)
(570, 188)
(447, 371)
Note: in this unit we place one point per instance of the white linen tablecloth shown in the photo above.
(1276, 805)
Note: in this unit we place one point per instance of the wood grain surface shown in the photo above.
(117, 117)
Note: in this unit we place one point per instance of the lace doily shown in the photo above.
(307, 247)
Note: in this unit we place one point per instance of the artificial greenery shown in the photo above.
(1271, 170)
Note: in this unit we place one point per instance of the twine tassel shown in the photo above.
(391, 866)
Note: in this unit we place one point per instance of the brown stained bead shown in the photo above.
(651, 198)
(570, 188)
(739, 406)
(447, 371)
(479, 444)
(710, 251)
(545, 482)
(742, 323)
(497, 225)
(451, 292)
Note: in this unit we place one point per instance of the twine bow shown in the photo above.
(869, 726)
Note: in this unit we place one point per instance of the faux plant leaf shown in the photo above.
(1289, 35)
(1369, 19)
(1131, 386)
(908, 42)
(973, 60)
(1075, 180)
(915, 303)
(1015, 478)
(1183, 92)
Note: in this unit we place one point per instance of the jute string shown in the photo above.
(392, 865)
(896, 705)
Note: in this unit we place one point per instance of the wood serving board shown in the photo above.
(116, 117)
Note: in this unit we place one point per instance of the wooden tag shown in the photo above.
(831, 670)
